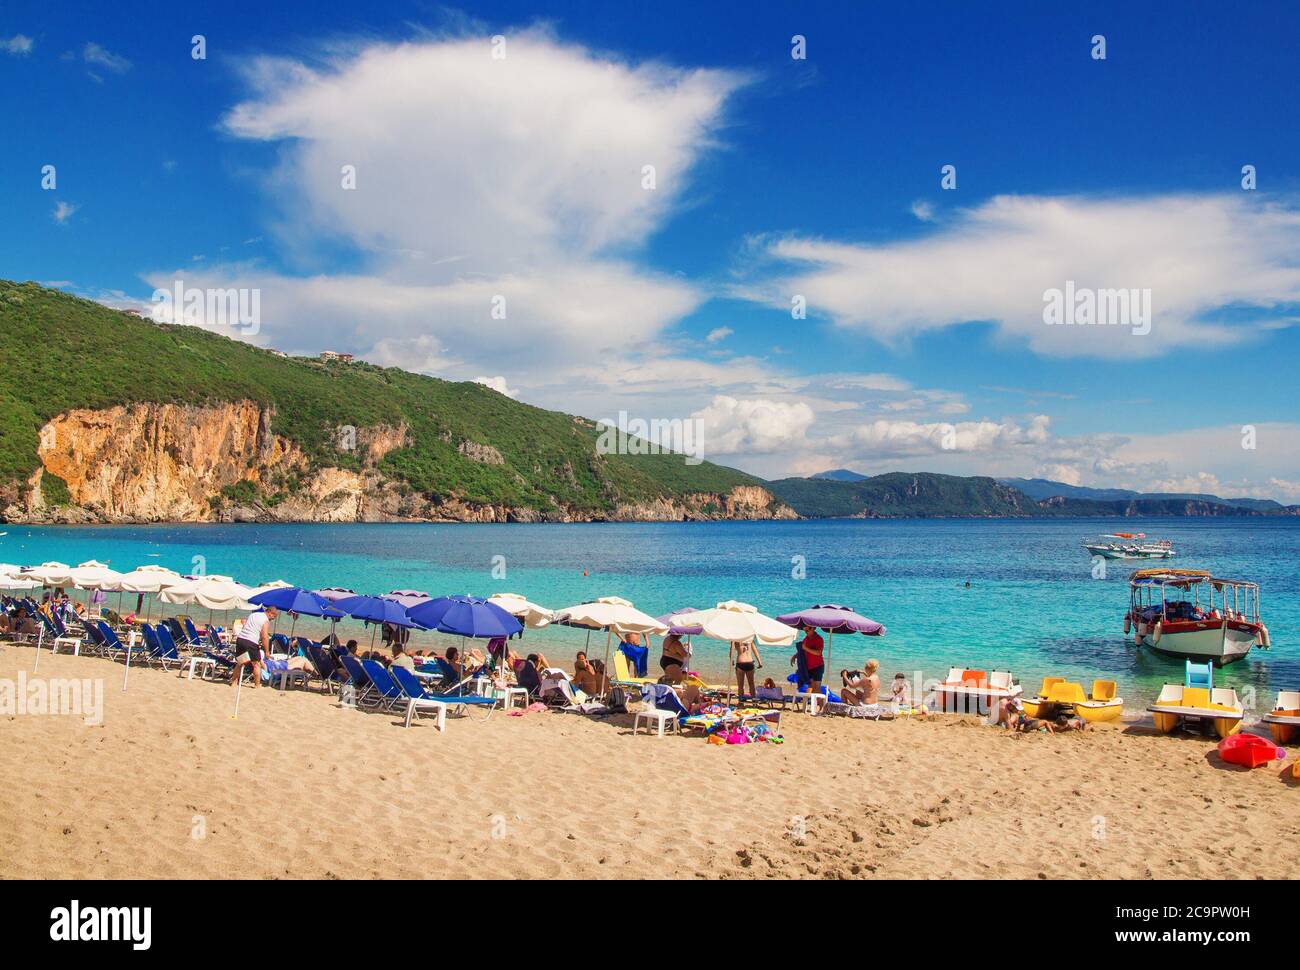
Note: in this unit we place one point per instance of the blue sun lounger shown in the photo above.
(418, 697)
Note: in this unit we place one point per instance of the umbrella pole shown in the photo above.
(238, 687)
(609, 635)
(40, 638)
(127, 673)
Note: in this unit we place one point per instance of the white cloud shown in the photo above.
(730, 426)
(718, 334)
(18, 44)
(497, 384)
(63, 211)
(95, 54)
(923, 210)
(476, 179)
(1197, 255)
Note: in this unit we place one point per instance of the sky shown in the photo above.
(1000, 239)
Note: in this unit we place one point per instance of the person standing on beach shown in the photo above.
(745, 657)
(812, 646)
(253, 644)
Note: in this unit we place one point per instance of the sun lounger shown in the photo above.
(418, 697)
(623, 673)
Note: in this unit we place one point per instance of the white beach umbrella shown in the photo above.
(612, 614)
(212, 592)
(51, 574)
(95, 575)
(529, 614)
(18, 582)
(149, 579)
(267, 587)
(8, 569)
(735, 621)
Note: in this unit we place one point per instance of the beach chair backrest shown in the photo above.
(1067, 692)
(382, 679)
(974, 678)
(1048, 684)
(191, 631)
(1001, 679)
(954, 675)
(151, 640)
(666, 699)
(110, 638)
(1199, 675)
(1225, 696)
(1104, 690)
(621, 670)
(407, 681)
(355, 671)
(1170, 694)
(167, 643)
(1195, 697)
(1288, 700)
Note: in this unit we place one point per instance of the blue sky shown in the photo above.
(923, 347)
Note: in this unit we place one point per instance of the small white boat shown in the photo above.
(1129, 545)
(1175, 612)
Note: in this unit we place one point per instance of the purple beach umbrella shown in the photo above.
(407, 597)
(676, 629)
(833, 618)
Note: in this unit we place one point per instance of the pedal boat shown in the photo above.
(1179, 705)
(1058, 693)
(974, 691)
(1284, 720)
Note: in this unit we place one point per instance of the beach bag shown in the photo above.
(617, 701)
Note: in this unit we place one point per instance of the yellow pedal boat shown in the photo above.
(1178, 704)
(1284, 720)
(1056, 692)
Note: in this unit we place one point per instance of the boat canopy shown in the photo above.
(1183, 577)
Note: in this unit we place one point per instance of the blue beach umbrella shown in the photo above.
(296, 600)
(376, 610)
(465, 616)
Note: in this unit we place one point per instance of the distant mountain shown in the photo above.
(1040, 489)
(903, 494)
(930, 495)
(839, 475)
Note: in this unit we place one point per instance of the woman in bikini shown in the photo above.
(745, 656)
(673, 658)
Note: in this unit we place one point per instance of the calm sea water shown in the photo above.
(1032, 606)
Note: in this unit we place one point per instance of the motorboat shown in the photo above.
(1190, 613)
(1060, 695)
(1129, 545)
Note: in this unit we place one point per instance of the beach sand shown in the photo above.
(170, 785)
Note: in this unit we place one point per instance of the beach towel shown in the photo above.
(638, 657)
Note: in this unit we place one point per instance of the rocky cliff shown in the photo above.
(223, 462)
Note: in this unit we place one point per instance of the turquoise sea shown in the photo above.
(1032, 607)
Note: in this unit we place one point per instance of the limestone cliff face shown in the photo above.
(171, 463)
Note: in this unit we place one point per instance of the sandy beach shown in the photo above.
(171, 785)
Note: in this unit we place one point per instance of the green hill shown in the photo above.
(61, 353)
